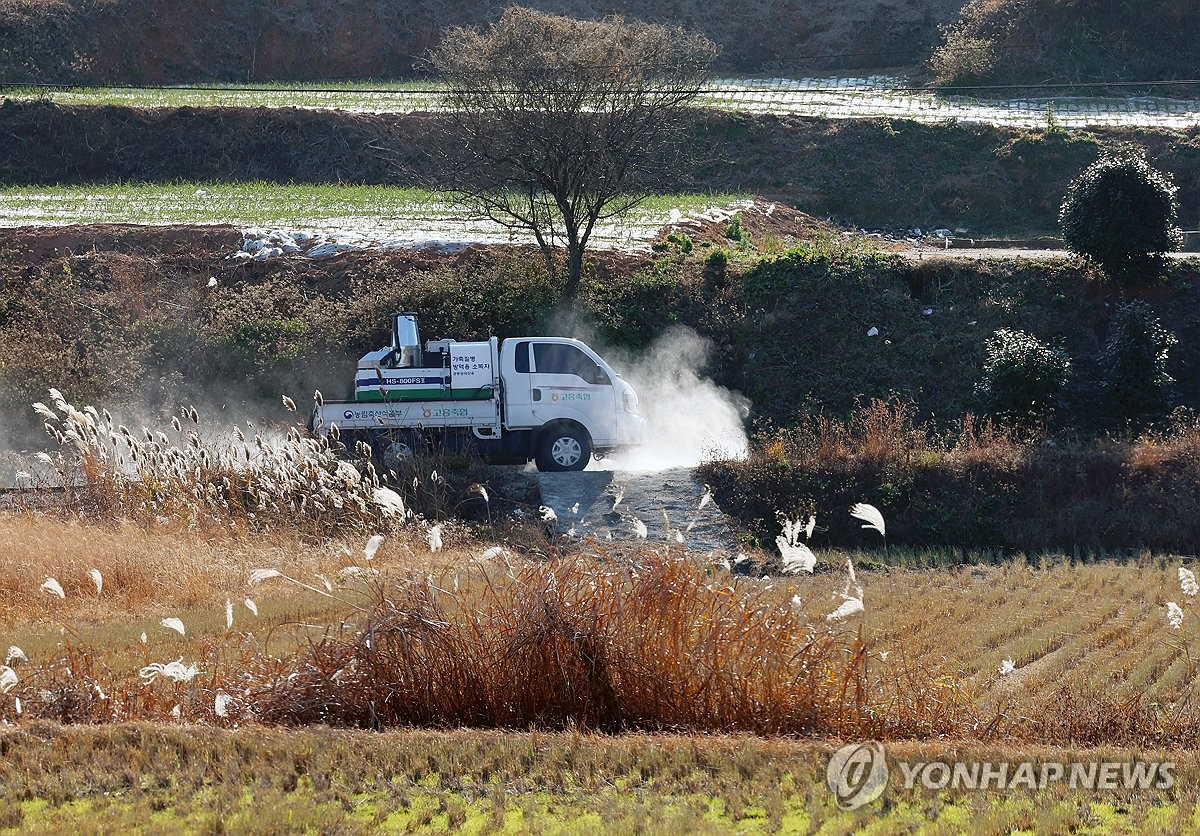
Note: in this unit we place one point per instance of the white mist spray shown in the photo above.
(688, 417)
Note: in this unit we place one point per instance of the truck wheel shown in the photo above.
(562, 448)
(395, 454)
(393, 451)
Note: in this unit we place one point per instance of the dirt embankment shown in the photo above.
(155, 41)
(871, 173)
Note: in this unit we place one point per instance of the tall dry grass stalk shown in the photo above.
(238, 484)
(885, 435)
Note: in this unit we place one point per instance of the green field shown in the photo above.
(369, 95)
(379, 212)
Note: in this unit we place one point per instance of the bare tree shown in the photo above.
(554, 124)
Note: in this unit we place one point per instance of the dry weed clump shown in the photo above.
(1173, 451)
(654, 641)
(239, 484)
(657, 644)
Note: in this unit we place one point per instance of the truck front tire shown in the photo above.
(563, 447)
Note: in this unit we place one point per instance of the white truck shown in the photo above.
(551, 400)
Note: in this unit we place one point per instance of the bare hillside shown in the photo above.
(1078, 42)
(138, 41)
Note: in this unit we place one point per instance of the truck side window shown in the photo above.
(553, 358)
(521, 358)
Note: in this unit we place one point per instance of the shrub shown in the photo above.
(734, 231)
(682, 242)
(963, 59)
(1120, 212)
(1134, 364)
(1023, 377)
(717, 260)
(971, 484)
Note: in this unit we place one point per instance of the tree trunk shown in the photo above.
(574, 270)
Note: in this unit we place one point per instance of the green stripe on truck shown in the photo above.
(377, 396)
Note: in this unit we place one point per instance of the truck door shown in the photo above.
(565, 382)
(518, 398)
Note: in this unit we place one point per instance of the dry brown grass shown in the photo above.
(85, 650)
(653, 641)
(1095, 659)
(975, 485)
(659, 643)
(144, 569)
(150, 574)
(212, 480)
(646, 641)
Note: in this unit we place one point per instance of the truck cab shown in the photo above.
(569, 397)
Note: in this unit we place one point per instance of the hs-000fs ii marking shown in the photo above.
(551, 400)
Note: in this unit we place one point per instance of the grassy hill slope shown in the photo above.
(1073, 42)
(140, 41)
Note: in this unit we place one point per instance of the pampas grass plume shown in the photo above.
(870, 515)
(174, 624)
(1187, 582)
(260, 575)
(795, 556)
(1174, 615)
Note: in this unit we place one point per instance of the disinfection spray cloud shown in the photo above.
(689, 418)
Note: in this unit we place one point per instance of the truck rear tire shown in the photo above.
(563, 447)
(394, 449)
